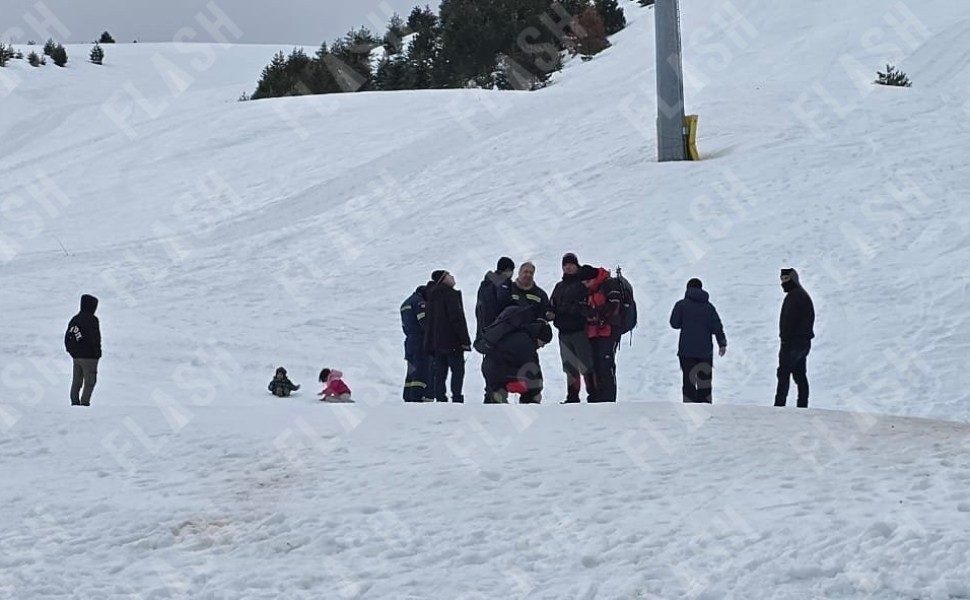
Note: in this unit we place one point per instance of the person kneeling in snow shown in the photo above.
(511, 362)
(281, 386)
(334, 388)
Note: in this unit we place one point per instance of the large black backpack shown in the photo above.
(510, 319)
(627, 318)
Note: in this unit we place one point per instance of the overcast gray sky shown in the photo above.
(304, 22)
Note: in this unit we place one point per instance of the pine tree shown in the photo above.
(59, 56)
(297, 71)
(49, 47)
(273, 81)
(18, 55)
(33, 60)
(7, 54)
(893, 77)
(613, 18)
(97, 54)
(350, 60)
(106, 38)
(395, 34)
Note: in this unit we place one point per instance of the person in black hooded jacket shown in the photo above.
(698, 322)
(82, 340)
(796, 330)
(512, 364)
(494, 294)
(446, 336)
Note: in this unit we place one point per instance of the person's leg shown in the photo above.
(800, 375)
(456, 362)
(440, 370)
(703, 380)
(76, 382)
(688, 391)
(604, 367)
(784, 375)
(584, 358)
(569, 367)
(495, 392)
(90, 368)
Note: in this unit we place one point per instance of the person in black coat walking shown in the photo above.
(82, 340)
(796, 329)
(698, 322)
(446, 336)
(512, 364)
(570, 311)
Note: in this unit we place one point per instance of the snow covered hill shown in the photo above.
(226, 238)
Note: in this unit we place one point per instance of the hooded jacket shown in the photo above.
(516, 356)
(445, 327)
(335, 385)
(604, 303)
(413, 314)
(698, 321)
(494, 294)
(83, 336)
(797, 321)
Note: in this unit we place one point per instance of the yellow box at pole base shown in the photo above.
(690, 125)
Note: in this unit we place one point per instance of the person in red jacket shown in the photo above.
(604, 303)
(334, 390)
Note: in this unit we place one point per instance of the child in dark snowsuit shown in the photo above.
(281, 386)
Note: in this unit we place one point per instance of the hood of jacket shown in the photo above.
(601, 276)
(89, 304)
(334, 374)
(697, 295)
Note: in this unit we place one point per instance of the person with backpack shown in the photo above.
(511, 363)
(698, 321)
(570, 309)
(417, 386)
(603, 327)
(82, 340)
(525, 292)
(446, 336)
(797, 330)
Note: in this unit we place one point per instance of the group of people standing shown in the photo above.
(512, 323)
(586, 307)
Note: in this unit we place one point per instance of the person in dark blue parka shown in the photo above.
(417, 384)
(698, 322)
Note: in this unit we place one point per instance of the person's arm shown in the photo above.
(677, 316)
(719, 331)
(96, 336)
(456, 317)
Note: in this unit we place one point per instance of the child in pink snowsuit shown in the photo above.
(334, 388)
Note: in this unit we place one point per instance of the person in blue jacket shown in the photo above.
(417, 383)
(698, 322)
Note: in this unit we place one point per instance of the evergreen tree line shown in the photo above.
(505, 44)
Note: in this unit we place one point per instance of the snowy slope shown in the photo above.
(634, 501)
(227, 238)
(312, 218)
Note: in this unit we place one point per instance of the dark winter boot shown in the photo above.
(458, 399)
(590, 380)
